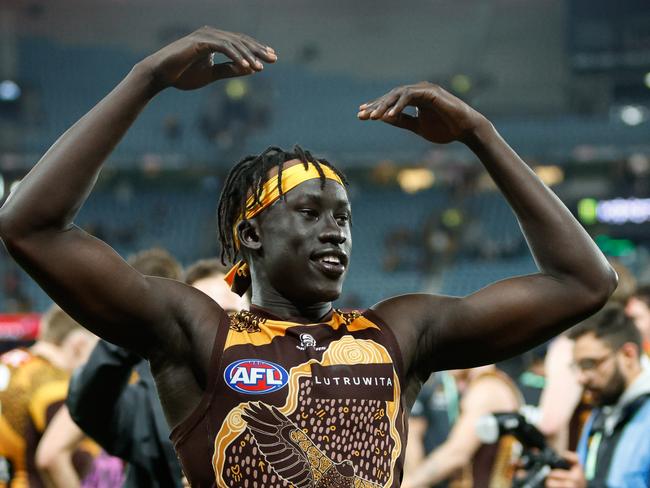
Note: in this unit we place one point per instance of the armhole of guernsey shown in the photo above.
(394, 345)
(180, 431)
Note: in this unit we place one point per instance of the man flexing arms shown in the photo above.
(280, 419)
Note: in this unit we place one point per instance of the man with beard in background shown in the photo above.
(614, 448)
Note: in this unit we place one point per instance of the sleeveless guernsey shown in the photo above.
(302, 405)
(31, 392)
(493, 465)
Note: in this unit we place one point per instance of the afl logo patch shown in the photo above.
(255, 376)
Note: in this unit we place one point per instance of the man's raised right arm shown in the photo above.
(84, 275)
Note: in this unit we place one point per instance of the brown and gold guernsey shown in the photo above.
(31, 391)
(493, 465)
(294, 404)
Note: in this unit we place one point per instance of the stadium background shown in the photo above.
(567, 83)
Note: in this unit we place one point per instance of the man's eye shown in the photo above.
(343, 218)
(309, 212)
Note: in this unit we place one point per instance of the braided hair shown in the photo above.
(246, 178)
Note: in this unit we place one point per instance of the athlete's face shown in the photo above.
(599, 370)
(306, 242)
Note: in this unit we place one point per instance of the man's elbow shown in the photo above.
(46, 458)
(6, 226)
(604, 287)
(21, 238)
(590, 291)
(12, 230)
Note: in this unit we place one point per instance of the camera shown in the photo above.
(537, 458)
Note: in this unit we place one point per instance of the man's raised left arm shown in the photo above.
(509, 316)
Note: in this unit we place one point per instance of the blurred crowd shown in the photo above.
(76, 411)
(575, 412)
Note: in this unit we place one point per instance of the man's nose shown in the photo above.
(332, 232)
(582, 377)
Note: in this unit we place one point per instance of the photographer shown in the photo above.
(614, 448)
(462, 459)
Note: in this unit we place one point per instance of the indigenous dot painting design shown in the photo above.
(244, 321)
(348, 317)
(312, 442)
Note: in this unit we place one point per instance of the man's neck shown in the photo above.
(311, 313)
(285, 309)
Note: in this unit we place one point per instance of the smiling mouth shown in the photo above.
(330, 265)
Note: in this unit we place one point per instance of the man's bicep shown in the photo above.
(91, 282)
(61, 434)
(504, 319)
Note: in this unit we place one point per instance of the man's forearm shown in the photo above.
(54, 453)
(51, 194)
(53, 191)
(415, 444)
(440, 465)
(60, 473)
(561, 247)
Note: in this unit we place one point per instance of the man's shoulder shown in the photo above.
(412, 314)
(642, 413)
(412, 303)
(630, 462)
(493, 388)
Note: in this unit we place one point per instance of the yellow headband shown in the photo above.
(238, 277)
(291, 178)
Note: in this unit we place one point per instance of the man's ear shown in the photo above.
(630, 350)
(248, 234)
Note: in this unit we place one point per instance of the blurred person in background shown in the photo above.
(614, 446)
(462, 459)
(33, 386)
(433, 414)
(638, 309)
(207, 275)
(564, 405)
(627, 283)
(113, 399)
(59, 441)
(531, 381)
(294, 238)
(123, 416)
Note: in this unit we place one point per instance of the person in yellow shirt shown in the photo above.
(33, 385)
